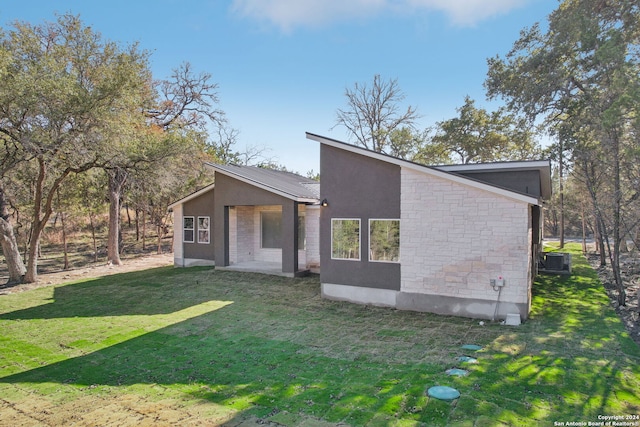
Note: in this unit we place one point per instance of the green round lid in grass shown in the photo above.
(456, 372)
(472, 347)
(443, 393)
(467, 359)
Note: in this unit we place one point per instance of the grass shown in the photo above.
(203, 347)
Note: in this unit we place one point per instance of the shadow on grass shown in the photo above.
(223, 357)
(160, 290)
(279, 352)
(571, 361)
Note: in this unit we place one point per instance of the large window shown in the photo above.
(203, 229)
(345, 239)
(384, 240)
(188, 229)
(271, 229)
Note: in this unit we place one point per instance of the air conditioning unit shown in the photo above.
(556, 262)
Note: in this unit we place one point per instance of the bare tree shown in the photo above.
(374, 113)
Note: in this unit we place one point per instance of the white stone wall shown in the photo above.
(455, 238)
(233, 236)
(312, 229)
(245, 233)
(244, 236)
(178, 250)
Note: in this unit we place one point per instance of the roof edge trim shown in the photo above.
(260, 185)
(424, 169)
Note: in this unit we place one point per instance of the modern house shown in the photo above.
(250, 219)
(456, 239)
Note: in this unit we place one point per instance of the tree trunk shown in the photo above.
(137, 219)
(32, 257)
(144, 228)
(64, 244)
(160, 233)
(617, 212)
(37, 224)
(64, 235)
(561, 173)
(117, 178)
(93, 236)
(600, 243)
(584, 230)
(126, 208)
(9, 243)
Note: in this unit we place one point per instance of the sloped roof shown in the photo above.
(434, 171)
(286, 184)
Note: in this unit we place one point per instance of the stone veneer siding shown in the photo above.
(244, 236)
(312, 230)
(455, 238)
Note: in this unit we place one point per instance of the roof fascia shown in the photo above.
(499, 166)
(261, 185)
(424, 169)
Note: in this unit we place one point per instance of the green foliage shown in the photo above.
(73, 101)
(384, 240)
(345, 238)
(477, 135)
(582, 77)
(69, 101)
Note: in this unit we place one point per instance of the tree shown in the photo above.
(374, 114)
(477, 135)
(177, 116)
(61, 88)
(583, 74)
(9, 244)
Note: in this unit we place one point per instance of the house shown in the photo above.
(456, 239)
(250, 219)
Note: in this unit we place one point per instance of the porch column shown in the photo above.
(290, 237)
(221, 234)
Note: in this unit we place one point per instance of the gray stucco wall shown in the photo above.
(526, 182)
(356, 186)
(200, 206)
(232, 192)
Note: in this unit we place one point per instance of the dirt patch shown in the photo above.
(119, 410)
(630, 270)
(143, 262)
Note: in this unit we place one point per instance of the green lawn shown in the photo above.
(203, 347)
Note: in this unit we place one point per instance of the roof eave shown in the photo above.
(424, 169)
(261, 185)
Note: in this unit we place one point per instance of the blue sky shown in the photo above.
(282, 66)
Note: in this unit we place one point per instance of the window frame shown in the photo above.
(370, 239)
(192, 229)
(262, 229)
(359, 258)
(207, 229)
